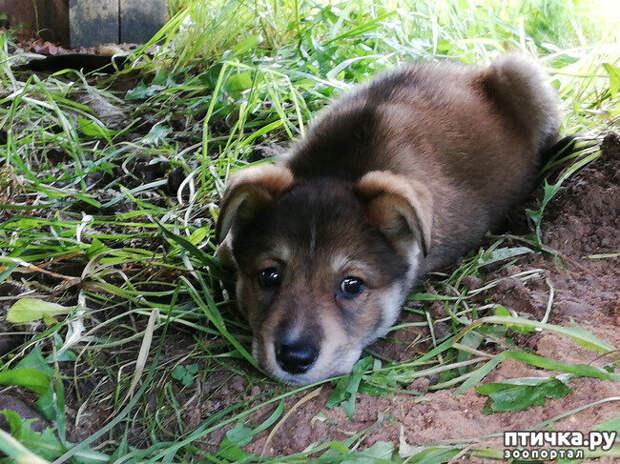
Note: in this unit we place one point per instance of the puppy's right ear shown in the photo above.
(248, 191)
(401, 208)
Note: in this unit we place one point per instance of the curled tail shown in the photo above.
(521, 90)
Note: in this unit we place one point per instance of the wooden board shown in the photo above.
(141, 19)
(85, 23)
(18, 12)
(93, 22)
(48, 18)
(54, 20)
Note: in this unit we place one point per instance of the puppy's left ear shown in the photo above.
(248, 191)
(402, 209)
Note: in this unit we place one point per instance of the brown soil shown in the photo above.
(581, 221)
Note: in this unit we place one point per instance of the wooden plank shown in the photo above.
(18, 13)
(93, 22)
(47, 18)
(85, 23)
(54, 20)
(141, 19)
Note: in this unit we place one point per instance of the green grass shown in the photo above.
(88, 222)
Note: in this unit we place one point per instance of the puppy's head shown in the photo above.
(323, 264)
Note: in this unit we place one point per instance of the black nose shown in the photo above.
(297, 357)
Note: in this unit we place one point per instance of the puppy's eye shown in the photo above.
(350, 287)
(269, 278)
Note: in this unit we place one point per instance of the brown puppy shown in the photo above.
(397, 178)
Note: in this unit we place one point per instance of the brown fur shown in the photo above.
(400, 177)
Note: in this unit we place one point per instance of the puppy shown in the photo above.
(397, 178)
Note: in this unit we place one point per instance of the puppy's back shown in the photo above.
(472, 135)
(501, 119)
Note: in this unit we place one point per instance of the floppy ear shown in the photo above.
(248, 191)
(402, 209)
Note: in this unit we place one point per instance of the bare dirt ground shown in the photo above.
(581, 221)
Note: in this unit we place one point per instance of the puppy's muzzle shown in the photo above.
(296, 356)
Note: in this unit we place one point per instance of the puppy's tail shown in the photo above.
(521, 91)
